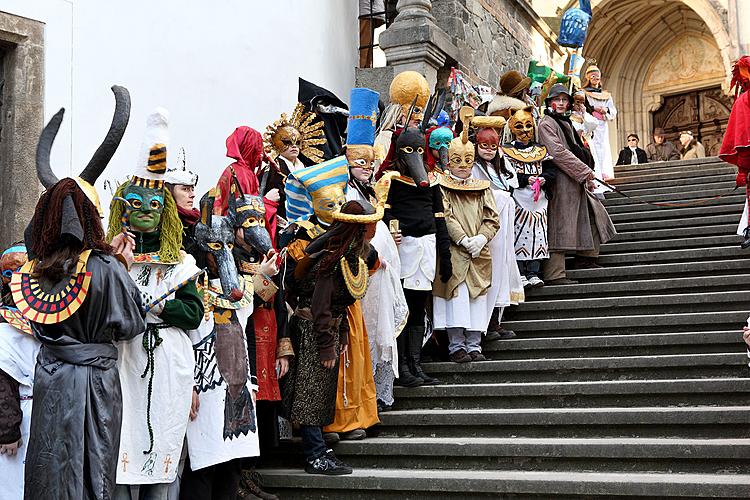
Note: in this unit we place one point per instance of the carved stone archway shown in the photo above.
(633, 39)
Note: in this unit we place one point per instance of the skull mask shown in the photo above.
(409, 151)
(522, 126)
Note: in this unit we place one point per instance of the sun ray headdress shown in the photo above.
(302, 124)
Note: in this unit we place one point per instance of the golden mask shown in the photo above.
(405, 87)
(327, 200)
(360, 156)
(284, 138)
(460, 154)
(522, 125)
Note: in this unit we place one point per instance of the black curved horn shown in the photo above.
(43, 149)
(107, 149)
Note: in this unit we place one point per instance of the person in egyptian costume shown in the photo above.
(535, 173)
(156, 367)
(79, 300)
(460, 305)
(600, 105)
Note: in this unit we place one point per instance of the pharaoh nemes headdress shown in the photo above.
(301, 128)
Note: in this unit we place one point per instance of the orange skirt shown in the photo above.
(356, 401)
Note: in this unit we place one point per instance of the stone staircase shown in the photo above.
(633, 383)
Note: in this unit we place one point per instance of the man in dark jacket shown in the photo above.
(660, 149)
(632, 154)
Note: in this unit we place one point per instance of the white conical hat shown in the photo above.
(152, 159)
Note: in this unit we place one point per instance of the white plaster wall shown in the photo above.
(213, 65)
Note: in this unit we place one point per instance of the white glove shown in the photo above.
(466, 243)
(477, 244)
(472, 246)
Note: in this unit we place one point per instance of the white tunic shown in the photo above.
(18, 352)
(462, 311)
(418, 261)
(205, 435)
(603, 164)
(171, 389)
(506, 286)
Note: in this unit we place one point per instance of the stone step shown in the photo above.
(730, 219)
(485, 484)
(690, 183)
(669, 422)
(678, 213)
(680, 242)
(587, 394)
(647, 271)
(667, 256)
(616, 345)
(655, 166)
(675, 196)
(708, 171)
(611, 305)
(643, 287)
(674, 366)
(627, 324)
(676, 233)
(724, 182)
(634, 206)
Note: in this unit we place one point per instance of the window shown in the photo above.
(374, 17)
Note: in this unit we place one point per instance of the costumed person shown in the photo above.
(661, 149)
(583, 121)
(384, 306)
(511, 95)
(691, 148)
(76, 293)
(329, 276)
(632, 154)
(536, 175)
(285, 140)
(506, 288)
(18, 353)
(735, 147)
(223, 427)
(600, 105)
(461, 305)
(576, 220)
(156, 367)
(181, 182)
(438, 137)
(416, 219)
(329, 109)
(257, 262)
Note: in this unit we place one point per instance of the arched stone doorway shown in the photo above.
(651, 51)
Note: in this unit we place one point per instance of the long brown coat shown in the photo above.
(468, 213)
(568, 223)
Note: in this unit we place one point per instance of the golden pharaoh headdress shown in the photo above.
(301, 123)
(381, 189)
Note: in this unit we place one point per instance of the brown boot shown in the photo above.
(250, 487)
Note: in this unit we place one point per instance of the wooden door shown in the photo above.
(704, 112)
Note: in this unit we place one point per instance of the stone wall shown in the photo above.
(492, 36)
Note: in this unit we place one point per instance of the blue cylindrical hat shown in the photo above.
(363, 117)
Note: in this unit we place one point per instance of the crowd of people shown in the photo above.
(167, 353)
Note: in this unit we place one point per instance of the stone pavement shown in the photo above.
(633, 383)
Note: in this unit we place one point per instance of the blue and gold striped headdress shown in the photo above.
(319, 190)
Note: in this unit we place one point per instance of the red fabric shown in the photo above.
(189, 217)
(488, 136)
(265, 354)
(245, 147)
(741, 75)
(735, 148)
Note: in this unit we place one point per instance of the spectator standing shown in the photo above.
(632, 154)
(691, 148)
(661, 149)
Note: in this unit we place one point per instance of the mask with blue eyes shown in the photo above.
(147, 205)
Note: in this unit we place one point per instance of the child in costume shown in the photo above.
(329, 275)
(507, 288)
(18, 353)
(223, 427)
(156, 367)
(535, 176)
(460, 305)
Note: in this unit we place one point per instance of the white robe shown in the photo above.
(603, 164)
(205, 435)
(171, 390)
(18, 352)
(743, 221)
(383, 308)
(506, 286)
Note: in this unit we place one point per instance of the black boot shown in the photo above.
(405, 377)
(746, 242)
(416, 334)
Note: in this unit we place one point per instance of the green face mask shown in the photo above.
(147, 205)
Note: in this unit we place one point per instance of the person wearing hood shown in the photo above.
(691, 148)
(577, 222)
(75, 423)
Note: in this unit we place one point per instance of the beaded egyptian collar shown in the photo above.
(215, 299)
(530, 154)
(470, 184)
(15, 319)
(49, 308)
(357, 285)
